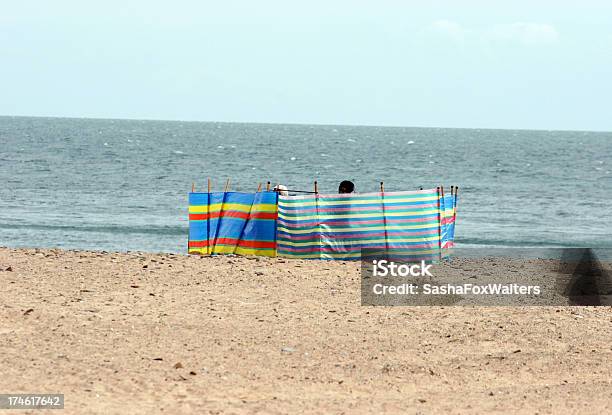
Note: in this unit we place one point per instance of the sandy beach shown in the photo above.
(159, 333)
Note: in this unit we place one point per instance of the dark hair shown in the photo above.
(346, 187)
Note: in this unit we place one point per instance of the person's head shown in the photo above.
(281, 190)
(346, 187)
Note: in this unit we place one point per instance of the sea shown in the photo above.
(123, 185)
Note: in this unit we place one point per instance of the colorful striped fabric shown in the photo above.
(198, 223)
(232, 223)
(407, 225)
(339, 226)
(448, 207)
(259, 234)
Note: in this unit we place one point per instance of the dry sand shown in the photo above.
(144, 333)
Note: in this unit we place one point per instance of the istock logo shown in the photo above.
(384, 268)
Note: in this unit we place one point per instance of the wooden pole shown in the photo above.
(452, 190)
(268, 187)
(209, 185)
(316, 187)
(259, 188)
(382, 187)
(227, 185)
(455, 202)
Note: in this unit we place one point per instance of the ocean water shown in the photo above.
(123, 184)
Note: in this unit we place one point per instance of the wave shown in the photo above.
(115, 229)
(508, 243)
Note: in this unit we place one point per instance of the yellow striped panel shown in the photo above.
(216, 207)
(202, 251)
(256, 251)
(198, 209)
(264, 207)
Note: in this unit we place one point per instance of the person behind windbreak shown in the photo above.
(346, 187)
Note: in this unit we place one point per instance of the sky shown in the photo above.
(469, 64)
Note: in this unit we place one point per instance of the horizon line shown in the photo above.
(300, 123)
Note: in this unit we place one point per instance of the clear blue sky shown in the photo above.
(493, 64)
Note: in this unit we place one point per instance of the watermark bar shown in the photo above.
(398, 278)
(31, 401)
